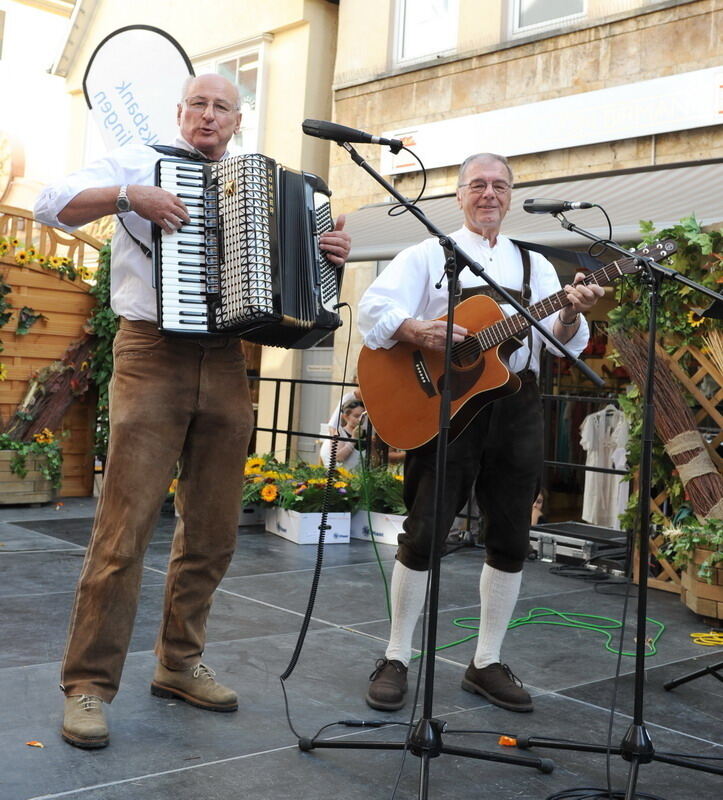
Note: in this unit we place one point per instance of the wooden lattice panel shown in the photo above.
(703, 381)
(81, 249)
(67, 305)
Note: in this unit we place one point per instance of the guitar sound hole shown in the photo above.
(466, 354)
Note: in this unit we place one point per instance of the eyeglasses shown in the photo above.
(479, 187)
(199, 104)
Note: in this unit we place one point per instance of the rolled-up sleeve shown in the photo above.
(399, 293)
(56, 196)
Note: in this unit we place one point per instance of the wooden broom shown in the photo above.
(675, 425)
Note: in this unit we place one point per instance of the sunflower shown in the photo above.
(3, 372)
(694, 318)
(269, 493)
(14, 242)
(22, 257)
(55, 262)
(32, 252)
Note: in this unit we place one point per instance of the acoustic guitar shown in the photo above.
(401, 387)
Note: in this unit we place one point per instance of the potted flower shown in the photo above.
(31, 470)
(697, 548)
(381, 511)
(262, 478)
(302, 494)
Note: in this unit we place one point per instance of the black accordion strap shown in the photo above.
(166, 150)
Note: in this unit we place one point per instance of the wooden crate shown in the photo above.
(33, 488)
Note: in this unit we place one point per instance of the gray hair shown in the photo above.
(484, 157)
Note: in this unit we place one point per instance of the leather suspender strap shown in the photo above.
(526, 296)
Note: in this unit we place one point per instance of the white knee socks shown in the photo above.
(408, 593)
(498, 593)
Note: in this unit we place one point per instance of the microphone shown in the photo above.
(542, 206)
(340, 133)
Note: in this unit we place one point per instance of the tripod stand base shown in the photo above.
(429, 744)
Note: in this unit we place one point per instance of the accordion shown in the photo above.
(249, 262)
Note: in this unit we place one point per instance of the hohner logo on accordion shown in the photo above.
(249, 262)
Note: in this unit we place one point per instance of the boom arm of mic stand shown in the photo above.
(650, 263)
(463, 260)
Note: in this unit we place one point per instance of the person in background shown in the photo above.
(499, 453)
(173, 400)
(351, 436)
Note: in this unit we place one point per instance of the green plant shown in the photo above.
(699, 257)
(43, 444)
(380, 489)
(103, 322)
(26, 319)
(689, 535)
(301, 487)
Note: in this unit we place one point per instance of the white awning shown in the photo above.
(663, 195)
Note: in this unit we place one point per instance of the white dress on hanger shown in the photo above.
(604, 437)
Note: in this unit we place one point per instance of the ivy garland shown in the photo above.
(700, 258)
(103, 322)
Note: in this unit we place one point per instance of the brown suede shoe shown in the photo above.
(84, 722)
(195, 685)
(388, 685)
(497, 683)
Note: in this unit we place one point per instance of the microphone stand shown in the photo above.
(425, 740)
(637, 746)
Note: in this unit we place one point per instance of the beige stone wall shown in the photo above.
(679, 38)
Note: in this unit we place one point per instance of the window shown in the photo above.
(243, 67)
(531, 16)
(244, 72)
(425, 28)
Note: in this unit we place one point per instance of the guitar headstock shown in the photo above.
(657, 251)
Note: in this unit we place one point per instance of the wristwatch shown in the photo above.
(122, 202)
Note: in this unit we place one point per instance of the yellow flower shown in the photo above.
(55, 261)
(3, 248)
(21, 257)
(3, 372)
(343, 473)
(340, 485)
(694, 318)
(269, 493)
(32, 252)
(42, 260)
(174, 485)
(13, 242)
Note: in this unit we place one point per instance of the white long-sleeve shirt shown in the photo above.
(407, 289)
(131, 287)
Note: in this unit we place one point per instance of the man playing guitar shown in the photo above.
(499, 452)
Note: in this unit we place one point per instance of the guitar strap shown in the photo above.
(522, 297)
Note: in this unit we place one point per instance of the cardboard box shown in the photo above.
(253, 514)
(385, 527)
(303, 528)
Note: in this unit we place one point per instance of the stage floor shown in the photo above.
(164, 750)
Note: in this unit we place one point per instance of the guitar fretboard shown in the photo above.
(516, 324)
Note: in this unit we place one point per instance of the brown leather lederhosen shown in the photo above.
(499, 455)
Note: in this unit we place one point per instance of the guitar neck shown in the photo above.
(512, 326)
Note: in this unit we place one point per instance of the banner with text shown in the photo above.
(133, 84)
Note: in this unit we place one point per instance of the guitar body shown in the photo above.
(401, 387)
